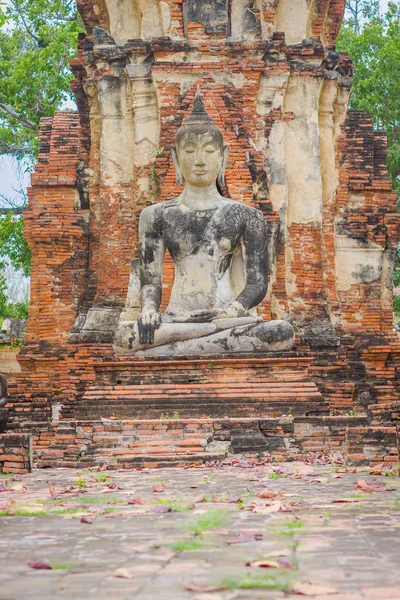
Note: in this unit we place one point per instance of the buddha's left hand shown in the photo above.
(233, 311)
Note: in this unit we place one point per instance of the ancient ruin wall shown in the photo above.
(272, 81)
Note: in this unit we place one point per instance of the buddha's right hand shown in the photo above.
(148, 322)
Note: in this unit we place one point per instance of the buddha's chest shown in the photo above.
(189, 233)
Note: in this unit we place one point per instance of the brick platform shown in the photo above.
(16, 454)
(161, 442)
(333, 232)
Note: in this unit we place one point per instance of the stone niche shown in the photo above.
(274, 84)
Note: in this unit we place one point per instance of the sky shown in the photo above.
(12, 178)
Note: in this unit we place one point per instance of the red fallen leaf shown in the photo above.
(194, 486)
(244, 537)
(366, 487)
(113, 486)
(158, 488)
(113, 515)
(38, 564)
(137, 501)
(299, 503)
(86, 520)
(263, 563)
(159, 508)
(269, 494)
(336, 476)
(284, 563)
(200, 587)
(309, 589)
(53, 491)
(344, 500)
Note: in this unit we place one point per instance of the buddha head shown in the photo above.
(199, 154)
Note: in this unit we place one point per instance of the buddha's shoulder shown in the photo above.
(157, 210)
(237, 208)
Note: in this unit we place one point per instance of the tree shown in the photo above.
(373, 41)
(38, 38)
(37, 41)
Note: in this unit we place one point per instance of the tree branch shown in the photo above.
(13, 114)
(28, 30)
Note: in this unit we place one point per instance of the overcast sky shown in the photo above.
(12, 178)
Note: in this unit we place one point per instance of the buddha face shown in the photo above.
(200, 159)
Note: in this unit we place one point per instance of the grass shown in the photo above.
(259, 582)
(80, 482)
(176, 505)
(102, 477)
(188, 545)
(29, 512)
(276, 476)
(3, 513)
(210, 520)
(291, 527)
(68, 511)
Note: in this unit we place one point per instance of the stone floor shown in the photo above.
(319, 530)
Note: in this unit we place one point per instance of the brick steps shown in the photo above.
(255, 398)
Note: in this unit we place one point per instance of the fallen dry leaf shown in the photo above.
(309, 589)
(269, 494)
(367, 487)
(86, 520)
(158, 488)
(244, 537)
(113, 515)
(200, 587)
(137, 501)
(344, 500)
(53, 491)
(284, 563)
(122, 573)
(38, 564)
(263, 563)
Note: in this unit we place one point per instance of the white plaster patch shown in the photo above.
(292, 17)
(356, 264)
(228, 78)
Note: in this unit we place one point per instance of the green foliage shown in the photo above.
(373, 42)
(37, 41)
(19, 310)
(13, 245)
(396, 305)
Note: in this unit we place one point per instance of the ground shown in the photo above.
(148, 534)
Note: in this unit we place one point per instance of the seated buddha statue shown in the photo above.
(219, 250)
